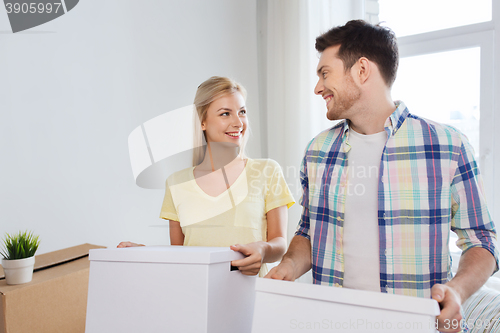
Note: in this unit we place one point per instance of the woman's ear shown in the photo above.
(203, 127)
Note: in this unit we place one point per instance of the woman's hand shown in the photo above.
(254, 253)
(257, 253)
(129, 244)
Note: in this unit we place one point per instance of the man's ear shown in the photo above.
(363, 69)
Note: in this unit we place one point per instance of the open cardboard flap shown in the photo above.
(50, 259)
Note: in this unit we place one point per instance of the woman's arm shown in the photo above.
(128, 244)
(176, 235)
(261, 252)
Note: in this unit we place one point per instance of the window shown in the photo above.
(414, 17)
(447, 63)
(453, 99)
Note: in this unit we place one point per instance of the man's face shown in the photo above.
(335, 85)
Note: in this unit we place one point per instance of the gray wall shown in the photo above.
(73, 89)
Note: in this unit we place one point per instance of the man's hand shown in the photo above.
(475, 266)
(296, 261)
(254, 253)
(284, 271)
(450, 319)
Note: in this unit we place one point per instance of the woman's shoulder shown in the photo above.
(181, 176)
(263, 163)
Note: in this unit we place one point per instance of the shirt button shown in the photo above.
(385, 252)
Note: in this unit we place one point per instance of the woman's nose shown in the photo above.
(237, 122)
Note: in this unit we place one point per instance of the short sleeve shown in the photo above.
(278, 194)
(168, 211)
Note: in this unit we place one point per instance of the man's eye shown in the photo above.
(324, 75)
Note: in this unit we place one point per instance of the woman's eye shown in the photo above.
(225, 114)
(243, 111)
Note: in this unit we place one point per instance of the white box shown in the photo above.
(282, 306)
(168, 289)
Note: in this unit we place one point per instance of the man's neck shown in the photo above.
(372, 115)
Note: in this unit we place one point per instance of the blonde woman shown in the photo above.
(226, 198)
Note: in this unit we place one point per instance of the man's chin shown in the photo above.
(332, 116)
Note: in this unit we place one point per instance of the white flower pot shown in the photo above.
(18, 271)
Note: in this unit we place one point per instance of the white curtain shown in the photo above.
(291, 114)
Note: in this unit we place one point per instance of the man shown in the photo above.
(383, 189)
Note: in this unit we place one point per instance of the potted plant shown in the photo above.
(19, 257)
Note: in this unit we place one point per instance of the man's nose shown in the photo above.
(318, 90)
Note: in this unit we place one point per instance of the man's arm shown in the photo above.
(296, 261)
(475, 267)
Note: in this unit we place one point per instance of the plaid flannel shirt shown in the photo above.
(428, 184)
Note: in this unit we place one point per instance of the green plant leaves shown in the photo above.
(20, 246)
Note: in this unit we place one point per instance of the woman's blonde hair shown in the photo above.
(209, 91)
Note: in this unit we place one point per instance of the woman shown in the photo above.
(227, 198)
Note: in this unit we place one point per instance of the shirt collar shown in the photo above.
(392, 123)
(396, 119)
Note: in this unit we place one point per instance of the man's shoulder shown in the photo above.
(327, 137)
(433, 127)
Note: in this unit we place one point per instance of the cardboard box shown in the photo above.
(54, 301)
(168, 289)
(282, 306)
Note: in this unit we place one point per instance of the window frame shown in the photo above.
(480, 35)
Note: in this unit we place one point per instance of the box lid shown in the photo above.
(167, 254)
(362, 298)
(54, 258)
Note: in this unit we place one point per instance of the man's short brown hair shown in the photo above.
(360, 39)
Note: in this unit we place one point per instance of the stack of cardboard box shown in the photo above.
(55, 300)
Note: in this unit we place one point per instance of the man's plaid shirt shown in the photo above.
(429, 184)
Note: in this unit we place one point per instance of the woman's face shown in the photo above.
(226, 120)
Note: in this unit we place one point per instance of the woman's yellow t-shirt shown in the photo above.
(236, 216)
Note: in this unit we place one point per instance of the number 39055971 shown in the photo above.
(32, 7)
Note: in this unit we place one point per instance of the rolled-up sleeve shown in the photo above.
(471, 220)
(304, 223)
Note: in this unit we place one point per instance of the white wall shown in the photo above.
(73, 89)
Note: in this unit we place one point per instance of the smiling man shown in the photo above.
(383, 189)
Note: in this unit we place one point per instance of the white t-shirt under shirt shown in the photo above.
(361, 238)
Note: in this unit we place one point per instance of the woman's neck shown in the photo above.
(219, 155)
